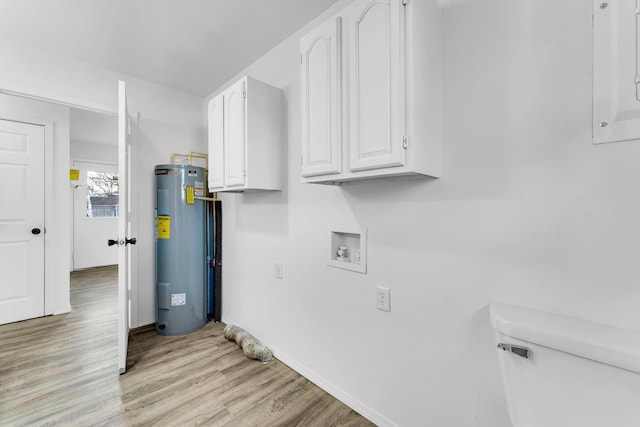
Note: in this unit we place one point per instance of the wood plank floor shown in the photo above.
(62, 370)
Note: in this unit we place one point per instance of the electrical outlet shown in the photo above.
(278, 270)
(382, 299)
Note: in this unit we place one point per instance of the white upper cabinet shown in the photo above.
(387, 61)
(320, 92)
(234, 134)
(216, 143)
(616, 70)
(376, 101)
(245, 138)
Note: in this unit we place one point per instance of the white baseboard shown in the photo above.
(364, 410)
(64, 310)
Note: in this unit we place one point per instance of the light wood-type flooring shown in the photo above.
(62, 370)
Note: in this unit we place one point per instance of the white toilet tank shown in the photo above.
(559, 371)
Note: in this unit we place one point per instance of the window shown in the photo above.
(102, 194)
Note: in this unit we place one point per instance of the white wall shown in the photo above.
(81, 152)
(56, 242)
(88, 151)
(527, 212)
(170, 121)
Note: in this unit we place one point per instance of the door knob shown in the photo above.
(132, 241)
(35, 231)
(112, 242)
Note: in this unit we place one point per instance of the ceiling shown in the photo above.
(190, 45)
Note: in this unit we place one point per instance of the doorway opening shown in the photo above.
(58, 244)
(95, 189)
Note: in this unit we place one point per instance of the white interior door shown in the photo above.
(22, 228)
(124, 227)
(95, 214)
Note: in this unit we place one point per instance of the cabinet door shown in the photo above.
(616, 71)
(376, 81)
(216, 143)
(320, 71)
(234, 135)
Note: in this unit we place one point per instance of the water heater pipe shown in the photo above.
(207, 199)
(196, 155)
(192, 155)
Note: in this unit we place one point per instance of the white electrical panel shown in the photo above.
(616, 70)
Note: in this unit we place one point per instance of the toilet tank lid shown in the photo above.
(607, 344)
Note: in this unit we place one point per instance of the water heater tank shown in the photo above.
(180, 249)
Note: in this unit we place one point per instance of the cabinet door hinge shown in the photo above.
(405, 141)
(300, 59)
(244, 172)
